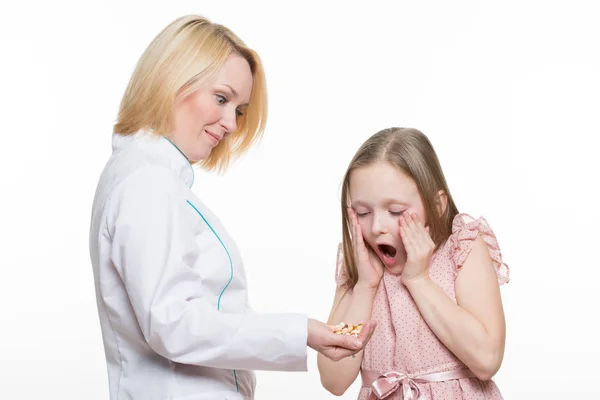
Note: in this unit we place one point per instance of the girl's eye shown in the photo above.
(363, 214)
(396, 213)
(221, 99)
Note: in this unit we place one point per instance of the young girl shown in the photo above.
(427, 274)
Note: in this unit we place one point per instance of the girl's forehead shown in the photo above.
(381, 182)
(381, 173)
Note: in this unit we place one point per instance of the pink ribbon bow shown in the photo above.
(384, 385)
(388, 384)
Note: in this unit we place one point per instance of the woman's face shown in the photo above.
(210, 113)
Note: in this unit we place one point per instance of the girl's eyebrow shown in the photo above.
(394, 201)
(387, 201)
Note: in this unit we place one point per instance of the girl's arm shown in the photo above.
(352, 307)
(474, 327)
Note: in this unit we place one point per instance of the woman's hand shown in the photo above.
(334, 346)
(418, 245)
(370, 268)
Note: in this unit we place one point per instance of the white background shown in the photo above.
(508, 92)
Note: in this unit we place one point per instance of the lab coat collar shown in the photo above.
(161, 147)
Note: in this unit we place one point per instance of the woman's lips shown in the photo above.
(214, 137)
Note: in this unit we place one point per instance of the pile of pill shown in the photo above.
(345, 329)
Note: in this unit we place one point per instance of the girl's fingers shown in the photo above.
(359, 239)
(409, 227)
(362, 246)
(402, 221)
(352, 223)
(412, 222)
(419, 231)
(426, 235)
(421, 235)
(406, 240)
(355, 234)
(359, 245)
(424, 229)
(351, 220)
(403, 229)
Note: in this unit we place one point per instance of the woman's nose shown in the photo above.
(229, 121)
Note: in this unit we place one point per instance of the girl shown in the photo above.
(427, 274)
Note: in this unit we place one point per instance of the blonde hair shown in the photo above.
(182, 58)
(411, 151)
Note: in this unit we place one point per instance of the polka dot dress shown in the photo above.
(403, 341)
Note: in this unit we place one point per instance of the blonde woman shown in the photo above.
(170, 284)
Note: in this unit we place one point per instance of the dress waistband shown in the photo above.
(383, 385)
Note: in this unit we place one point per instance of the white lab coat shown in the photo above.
(171, 287)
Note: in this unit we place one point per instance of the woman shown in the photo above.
(170, 284)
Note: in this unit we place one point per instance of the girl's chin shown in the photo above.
(395, 269)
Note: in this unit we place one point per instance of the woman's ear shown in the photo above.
(441, 202)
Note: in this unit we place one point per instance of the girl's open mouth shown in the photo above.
(387, 253)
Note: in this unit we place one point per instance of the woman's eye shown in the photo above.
(221, 99)
(363, 214)
(396, 213)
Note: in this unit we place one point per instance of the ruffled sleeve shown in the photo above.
(341, 278)
(464, 231)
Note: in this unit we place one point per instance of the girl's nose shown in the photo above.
(378, 227)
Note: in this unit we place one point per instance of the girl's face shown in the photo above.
(379, 194)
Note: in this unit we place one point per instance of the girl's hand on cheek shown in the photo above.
(418, 245)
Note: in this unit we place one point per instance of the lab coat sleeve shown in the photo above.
(152, 247)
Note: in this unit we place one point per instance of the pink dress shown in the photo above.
(403, 341)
